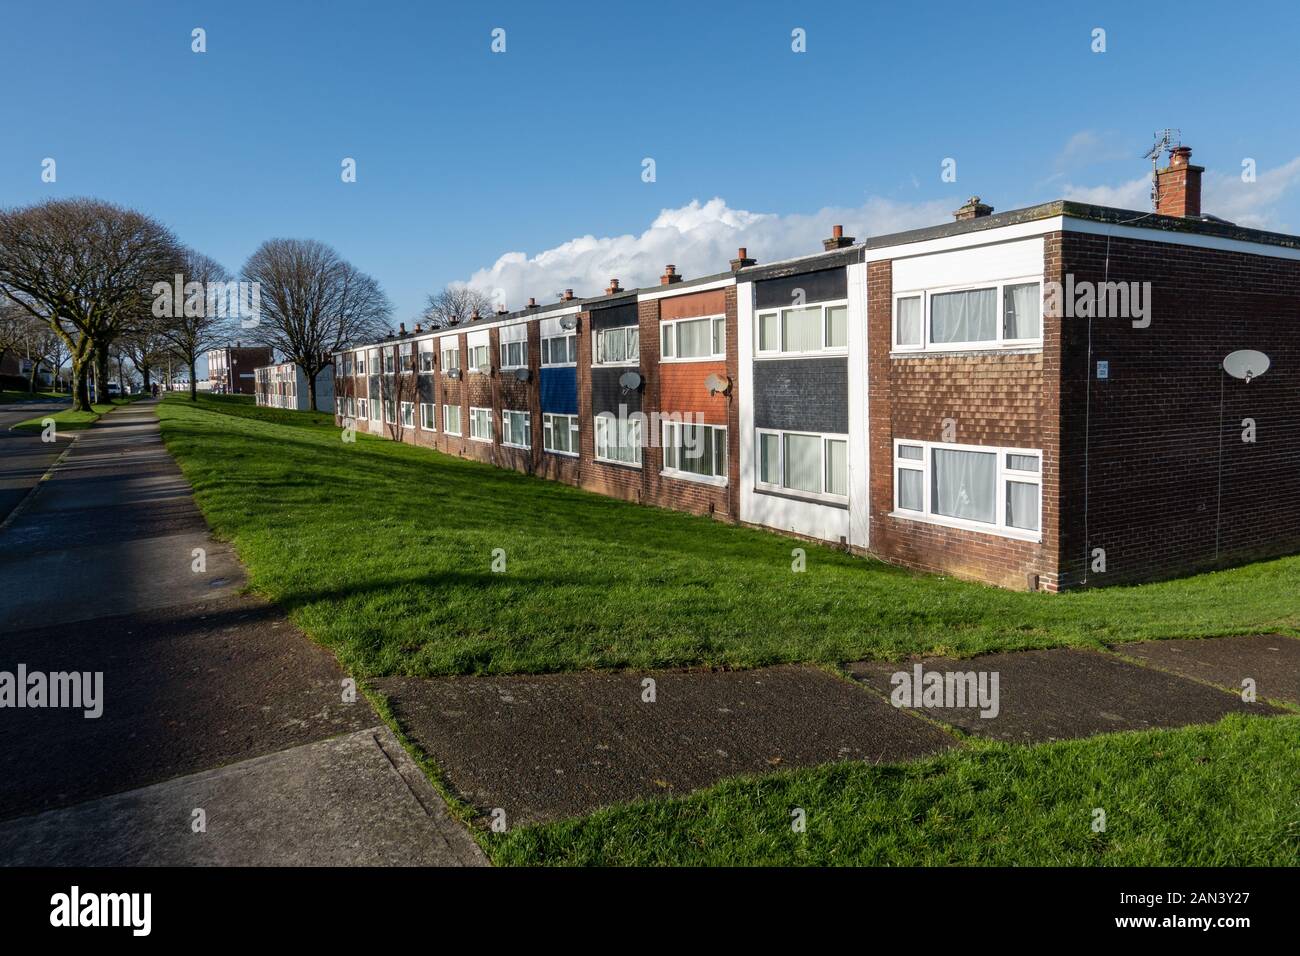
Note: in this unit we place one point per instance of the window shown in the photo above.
(362, 410)
(450, 357)
(408, 361)
(478, 358)
(408, 414)
(480, 424)
(514, 354)
(991, 317)
(695, 450)
(451, 419)
(560, 434)
(374, 362)
(515, 429)
(809, 464)
(427, 418)
(979, 487)
(347, 365)
(388, 411)
(688, 339)
(389, 361)
(560, 349)
(618, 439)
(360, 364)
(620, 346)
(804, 330)
(426, 356)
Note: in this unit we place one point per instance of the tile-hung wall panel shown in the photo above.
(607, 395)
(824, 286)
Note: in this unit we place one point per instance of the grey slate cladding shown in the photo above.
(802, 394)
(615, 316)
(607, 394)
(823, 286)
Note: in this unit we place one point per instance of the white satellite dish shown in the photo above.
(453, 373)
(569, 322)
(521, 374)
(630, 381)
(717, 383)
(1246, 364)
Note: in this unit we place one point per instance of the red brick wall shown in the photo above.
(1149, 437)
(617, 481)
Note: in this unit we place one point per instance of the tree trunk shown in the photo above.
(101, 376)
(311, 389)
(31, 377)
(80, 374)
(194, 381)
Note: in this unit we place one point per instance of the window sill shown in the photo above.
(1033, 537)
(688, 361)
(559, 365)
(617, 464)
(841, 503)
(717, 481)
(562, 454)
(978, 351)
(506, 444)
(615, 364)
(787, 356)
(453, 434)
(481, 441)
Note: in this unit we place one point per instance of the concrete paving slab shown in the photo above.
(354, 800)
(1065, 693)
(1271, 660)
(558, 745)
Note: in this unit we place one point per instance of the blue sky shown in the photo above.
(464, 156)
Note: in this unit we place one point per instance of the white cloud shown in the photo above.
(1134, 194)
(698, 238)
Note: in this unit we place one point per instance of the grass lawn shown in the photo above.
(8, 396)
(1225, 795)
(67, 420)
(382, 552)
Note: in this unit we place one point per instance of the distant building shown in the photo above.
(285, 386)
(230, 369)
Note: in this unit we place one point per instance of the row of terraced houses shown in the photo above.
(961, 399)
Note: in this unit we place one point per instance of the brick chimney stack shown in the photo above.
(401, 328)
(532, 302)
(613, 287)
(568, 295)
(974, 209)
(837, 240)
(417, 328)
(1178, 185)
(501, 308)
(670, 275)
(742, 260)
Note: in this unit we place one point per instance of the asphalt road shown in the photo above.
(23, 456)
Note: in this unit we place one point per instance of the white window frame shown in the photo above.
(1005, 474)
(523, 350)
(565, 337)
(374, 362)
(597, 349)
(528, 428)
(778, 352)
(433, 417)
(450, 357)
(426, 348)
(782, 489)
(602, 423)
(486, 416)
(406, 357)
(668, 330)
(480, 351)
(390, 360)
(407, 412)
(363, 409)
(671, 444)
(446, 429)
(998, 342)
(548, 430)
(390, 410)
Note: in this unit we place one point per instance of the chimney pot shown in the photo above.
(532, 302)
(1178, 185)
(568, 294)
(670, 275)
(837, 240)
(613, 287)
(401, 328)
(742, 260)
(974, 209)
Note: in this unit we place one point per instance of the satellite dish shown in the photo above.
(1246, 364)
(569, 322)
(454, 373)
(717, 383)
(521, 374)
(630, 381)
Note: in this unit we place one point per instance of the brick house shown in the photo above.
(285, 386)
(1034, 399)
(231, 370)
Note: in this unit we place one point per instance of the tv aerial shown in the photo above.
(1165, 139)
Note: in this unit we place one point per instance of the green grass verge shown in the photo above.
(8, 396)
(1224, 795)
(66, 420)
(382, 551)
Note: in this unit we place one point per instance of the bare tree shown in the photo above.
(456, 304)
(86, 268)
(313, 303)
(196, 325)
